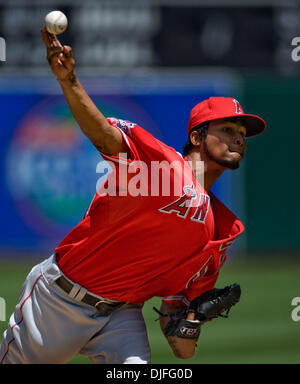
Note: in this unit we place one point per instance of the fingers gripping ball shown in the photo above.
(56, 22)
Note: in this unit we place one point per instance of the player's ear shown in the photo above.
(195, 138)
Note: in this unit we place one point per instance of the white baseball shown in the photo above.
(56, 22)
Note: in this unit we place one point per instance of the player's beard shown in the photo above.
(230, 164)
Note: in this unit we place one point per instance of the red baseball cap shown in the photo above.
(216, 108)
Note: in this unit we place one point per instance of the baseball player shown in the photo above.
(87, 297)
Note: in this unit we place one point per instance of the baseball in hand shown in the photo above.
(56, 22)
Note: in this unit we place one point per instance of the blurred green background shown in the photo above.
(259, 330)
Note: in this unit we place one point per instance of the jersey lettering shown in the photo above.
(202, 272)
(183, 205)
(202, 209)
(222, 260)
(225, 245)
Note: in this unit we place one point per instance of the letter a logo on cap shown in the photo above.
(238, 108)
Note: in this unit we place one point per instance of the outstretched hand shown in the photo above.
(60, 58)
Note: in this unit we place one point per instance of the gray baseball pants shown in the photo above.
(50, 326)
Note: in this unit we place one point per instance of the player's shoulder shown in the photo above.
(133, 130)
(141, 136)
(170, 151)
(125, 125)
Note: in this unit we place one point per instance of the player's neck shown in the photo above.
(211, 170)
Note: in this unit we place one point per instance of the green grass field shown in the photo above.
(259, 330)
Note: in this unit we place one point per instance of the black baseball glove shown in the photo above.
(206, 307)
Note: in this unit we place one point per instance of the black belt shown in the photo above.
(105, 308)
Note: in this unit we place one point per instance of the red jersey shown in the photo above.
(144, 235)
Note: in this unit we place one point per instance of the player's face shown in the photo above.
(225, 143)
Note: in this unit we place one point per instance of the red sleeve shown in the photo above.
(125, 128)
(140, 142)
(195, 290)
